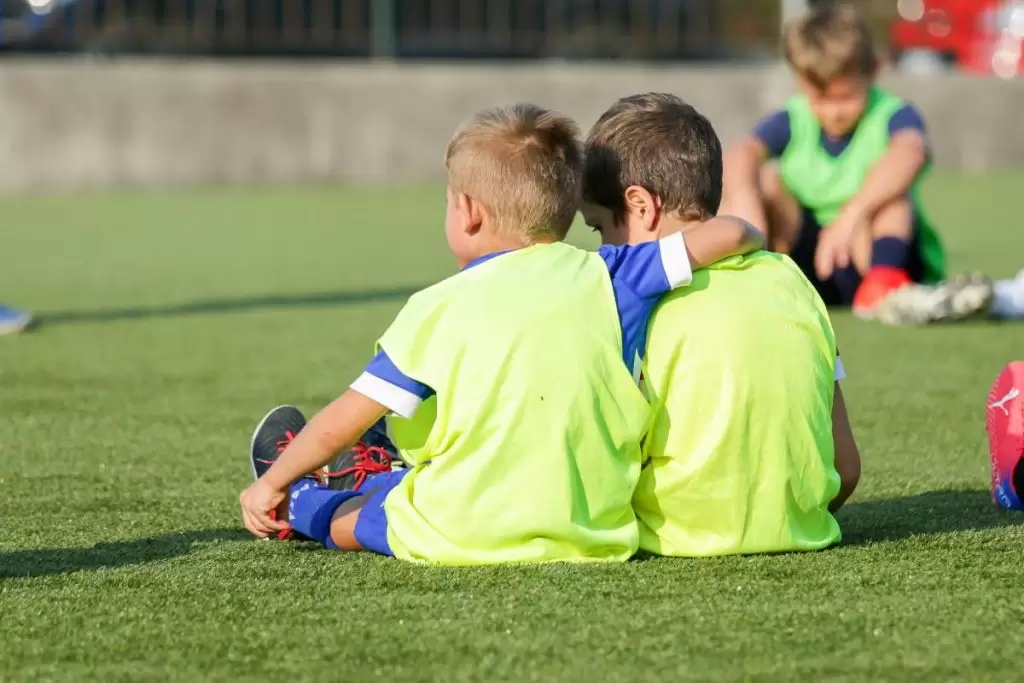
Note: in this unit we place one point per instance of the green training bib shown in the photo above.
(529, 452)
(824, 184)
(741, 368)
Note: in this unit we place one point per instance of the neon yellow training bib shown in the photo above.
(740, 459)
(529, 452)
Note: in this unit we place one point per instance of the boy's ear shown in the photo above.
(643, 206)
(473, 213)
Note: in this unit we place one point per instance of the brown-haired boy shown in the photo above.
(750, 449)
(508, 382)
(844, 199)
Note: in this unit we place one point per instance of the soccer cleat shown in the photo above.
(956, 299)
(13, 321)
(373, 454)
(271, 436)
(1004, 421)
(877, 285)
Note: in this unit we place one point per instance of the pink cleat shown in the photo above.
(1004, 419)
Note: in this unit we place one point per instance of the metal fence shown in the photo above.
(440, 29)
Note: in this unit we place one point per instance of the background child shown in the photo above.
(751, 449)
(844, 199)
(516, 408)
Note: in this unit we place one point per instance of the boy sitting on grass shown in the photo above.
(750, 450)
(844, 202)
(514, 404)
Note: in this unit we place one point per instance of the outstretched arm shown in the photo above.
(722, 237)
(335, 428)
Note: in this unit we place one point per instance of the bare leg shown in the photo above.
(343, 524)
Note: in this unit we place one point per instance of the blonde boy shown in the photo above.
(843, 201)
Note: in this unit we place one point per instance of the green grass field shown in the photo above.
(173, 320)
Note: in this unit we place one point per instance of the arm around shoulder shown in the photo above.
(722, 237)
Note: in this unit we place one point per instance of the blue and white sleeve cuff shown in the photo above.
(840, 370)
(399, 401)
(674, 260)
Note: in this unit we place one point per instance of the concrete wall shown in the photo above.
(86, 124)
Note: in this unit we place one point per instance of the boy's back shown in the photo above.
(741, 368)
(538, 424)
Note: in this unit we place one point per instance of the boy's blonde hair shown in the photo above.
(523, 164)
(829, 43)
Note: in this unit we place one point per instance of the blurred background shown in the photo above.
(980, 36)
(113, 93)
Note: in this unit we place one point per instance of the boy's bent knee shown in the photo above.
(895, 219)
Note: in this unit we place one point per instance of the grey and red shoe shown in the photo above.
(373, 454)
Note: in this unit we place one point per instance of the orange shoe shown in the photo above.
(879, 283)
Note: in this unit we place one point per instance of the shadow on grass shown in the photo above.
(926, 514)
(230, 305)
(48, 561)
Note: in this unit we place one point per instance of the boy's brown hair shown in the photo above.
(523, 164)
(829, 43)
(660, 143)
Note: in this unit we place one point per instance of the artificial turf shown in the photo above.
(173, 320)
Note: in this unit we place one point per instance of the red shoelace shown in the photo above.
(289, 436)
(367, 460)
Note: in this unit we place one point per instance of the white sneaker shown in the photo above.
(1008, 298)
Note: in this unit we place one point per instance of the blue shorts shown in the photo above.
(838, 290)
(372, 526)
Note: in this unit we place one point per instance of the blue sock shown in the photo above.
(310, 508)
(846, 280)
(889, 251)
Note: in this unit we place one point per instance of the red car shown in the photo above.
(978, 36)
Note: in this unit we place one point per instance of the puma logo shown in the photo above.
(1001, 403)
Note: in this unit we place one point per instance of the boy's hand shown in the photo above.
(259, 501)
(835, 244)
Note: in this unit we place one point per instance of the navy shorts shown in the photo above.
(372, 526)
(838, 290)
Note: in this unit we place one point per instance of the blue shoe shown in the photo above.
(13, 321)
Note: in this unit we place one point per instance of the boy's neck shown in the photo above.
(669, 225)
(498, 244)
